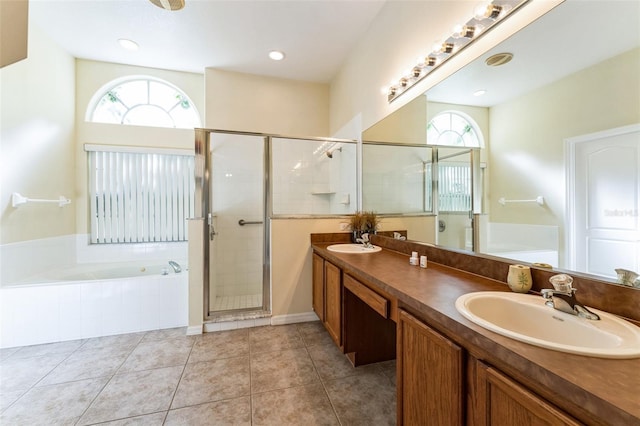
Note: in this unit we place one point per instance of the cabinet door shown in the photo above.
(429, 375)
(509, 403)
(318, 286)
(333, 301)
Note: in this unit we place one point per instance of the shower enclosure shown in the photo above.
(242, 180)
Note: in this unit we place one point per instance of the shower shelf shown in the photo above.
(322, 192)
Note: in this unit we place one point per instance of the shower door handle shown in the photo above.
(212, 231)
(243, 222)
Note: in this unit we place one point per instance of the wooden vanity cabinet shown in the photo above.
(503, 401)
(440, 383)
(430, 375)
(327, 296)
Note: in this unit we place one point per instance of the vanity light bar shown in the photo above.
(486, 16)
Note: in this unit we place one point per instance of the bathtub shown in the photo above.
(92, 300)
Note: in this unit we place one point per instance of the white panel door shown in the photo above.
(606, 201)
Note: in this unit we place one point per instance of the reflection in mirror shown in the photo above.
(561, 120)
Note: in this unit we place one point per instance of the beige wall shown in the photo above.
(406, 125)
(14, 23)
(91, 76)
(252, 103)
(527, 136)
(291, 255)
(37, 141)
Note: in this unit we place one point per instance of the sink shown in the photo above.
(526, 318)
(353, 248)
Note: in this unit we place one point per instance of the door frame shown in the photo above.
(203, 209)
(570, 145)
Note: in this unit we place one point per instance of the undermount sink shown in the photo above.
(525, 317)
(353, 248)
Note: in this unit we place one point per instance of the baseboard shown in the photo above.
(193, 330)
(294, 318)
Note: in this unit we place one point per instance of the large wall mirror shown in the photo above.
(556, 179)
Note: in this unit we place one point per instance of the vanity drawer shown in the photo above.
(368, 296)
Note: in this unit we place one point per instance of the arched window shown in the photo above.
(453, 128)
(143, 101)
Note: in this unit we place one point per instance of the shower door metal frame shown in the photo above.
(204, 208)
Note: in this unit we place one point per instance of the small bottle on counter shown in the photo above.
(423, 261)
(413, 260)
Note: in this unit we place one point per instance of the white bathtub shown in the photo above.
(91, 300)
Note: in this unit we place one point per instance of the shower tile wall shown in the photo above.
(306, 181)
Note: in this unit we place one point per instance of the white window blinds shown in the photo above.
(140, 196)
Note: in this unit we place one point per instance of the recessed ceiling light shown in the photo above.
(479, 92)
(128, 44)
(276, 55)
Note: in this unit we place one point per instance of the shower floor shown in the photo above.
(226, 303)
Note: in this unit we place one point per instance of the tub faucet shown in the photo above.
(566, 301)
(176, 266)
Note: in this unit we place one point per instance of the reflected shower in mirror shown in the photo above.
(560, 121)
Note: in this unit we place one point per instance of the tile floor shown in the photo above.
(225, 303)
(274, 375)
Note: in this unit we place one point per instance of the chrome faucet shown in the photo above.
(364, 240)
(566, 301)
(176, 266)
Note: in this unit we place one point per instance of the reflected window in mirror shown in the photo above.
(454, 128)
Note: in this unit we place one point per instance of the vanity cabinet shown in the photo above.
(504, 401)
(439, 382)
(327, 296)
(430, 375)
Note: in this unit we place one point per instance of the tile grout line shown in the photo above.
(324, 388)
(184, 368)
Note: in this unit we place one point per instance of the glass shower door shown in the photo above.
(238, 266)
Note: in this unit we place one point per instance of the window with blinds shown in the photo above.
(140, 196)
(454, 187)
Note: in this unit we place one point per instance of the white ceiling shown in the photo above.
(316, 35)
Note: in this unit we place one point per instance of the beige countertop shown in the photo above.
(586, 387)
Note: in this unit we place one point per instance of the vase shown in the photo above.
(519, 278)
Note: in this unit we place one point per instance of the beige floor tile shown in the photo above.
(332, 364)
(8, 398)
(48, 349)
(274, 338)
(313, 334)
(220, 345)
(155, 419)
(365, 399)
(228, 412)
(388, 368)
(87, 364)
(158, 353)
(8, 352)
(281, 369)
(167, 333)
(119, 341)
(134, 394)
(302, 405)
(22, 373)
(53, 405)
(213, 381)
